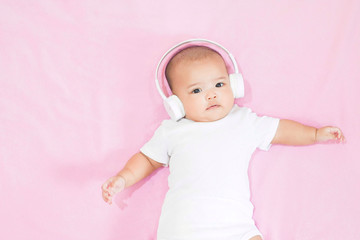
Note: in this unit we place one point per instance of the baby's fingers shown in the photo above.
(337, 134)
(111, 187)
(107, 192)
(107, 197)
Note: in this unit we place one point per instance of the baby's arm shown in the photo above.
(137, 168)
(294, 133)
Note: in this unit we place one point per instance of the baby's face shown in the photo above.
(203, 87)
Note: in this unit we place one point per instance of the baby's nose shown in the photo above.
(211, 95)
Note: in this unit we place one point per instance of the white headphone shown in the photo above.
(173, 105)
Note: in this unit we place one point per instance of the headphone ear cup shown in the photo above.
(237, 85)
(174, 107)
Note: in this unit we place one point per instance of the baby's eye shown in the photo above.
(220, 84)
(197, 90)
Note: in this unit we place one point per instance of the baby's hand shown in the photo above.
(329, 133)
(111, 187)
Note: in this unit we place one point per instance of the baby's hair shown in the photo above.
(193, 53)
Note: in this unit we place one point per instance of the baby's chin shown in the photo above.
(209, 116)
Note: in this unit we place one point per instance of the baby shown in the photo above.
(208, 152)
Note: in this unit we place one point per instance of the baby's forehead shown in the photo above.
(191, 55)
(187, 57)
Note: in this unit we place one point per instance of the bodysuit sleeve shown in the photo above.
(156, 148)
(264, 130)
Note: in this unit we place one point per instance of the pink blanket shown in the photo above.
(77, 99)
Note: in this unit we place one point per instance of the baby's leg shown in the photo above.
(256, 238)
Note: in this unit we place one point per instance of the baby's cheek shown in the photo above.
(191, 106)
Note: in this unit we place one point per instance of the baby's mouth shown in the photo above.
(214, 106)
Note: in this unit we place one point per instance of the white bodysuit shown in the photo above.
(209, 194)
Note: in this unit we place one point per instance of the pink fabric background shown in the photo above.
(77, 99)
